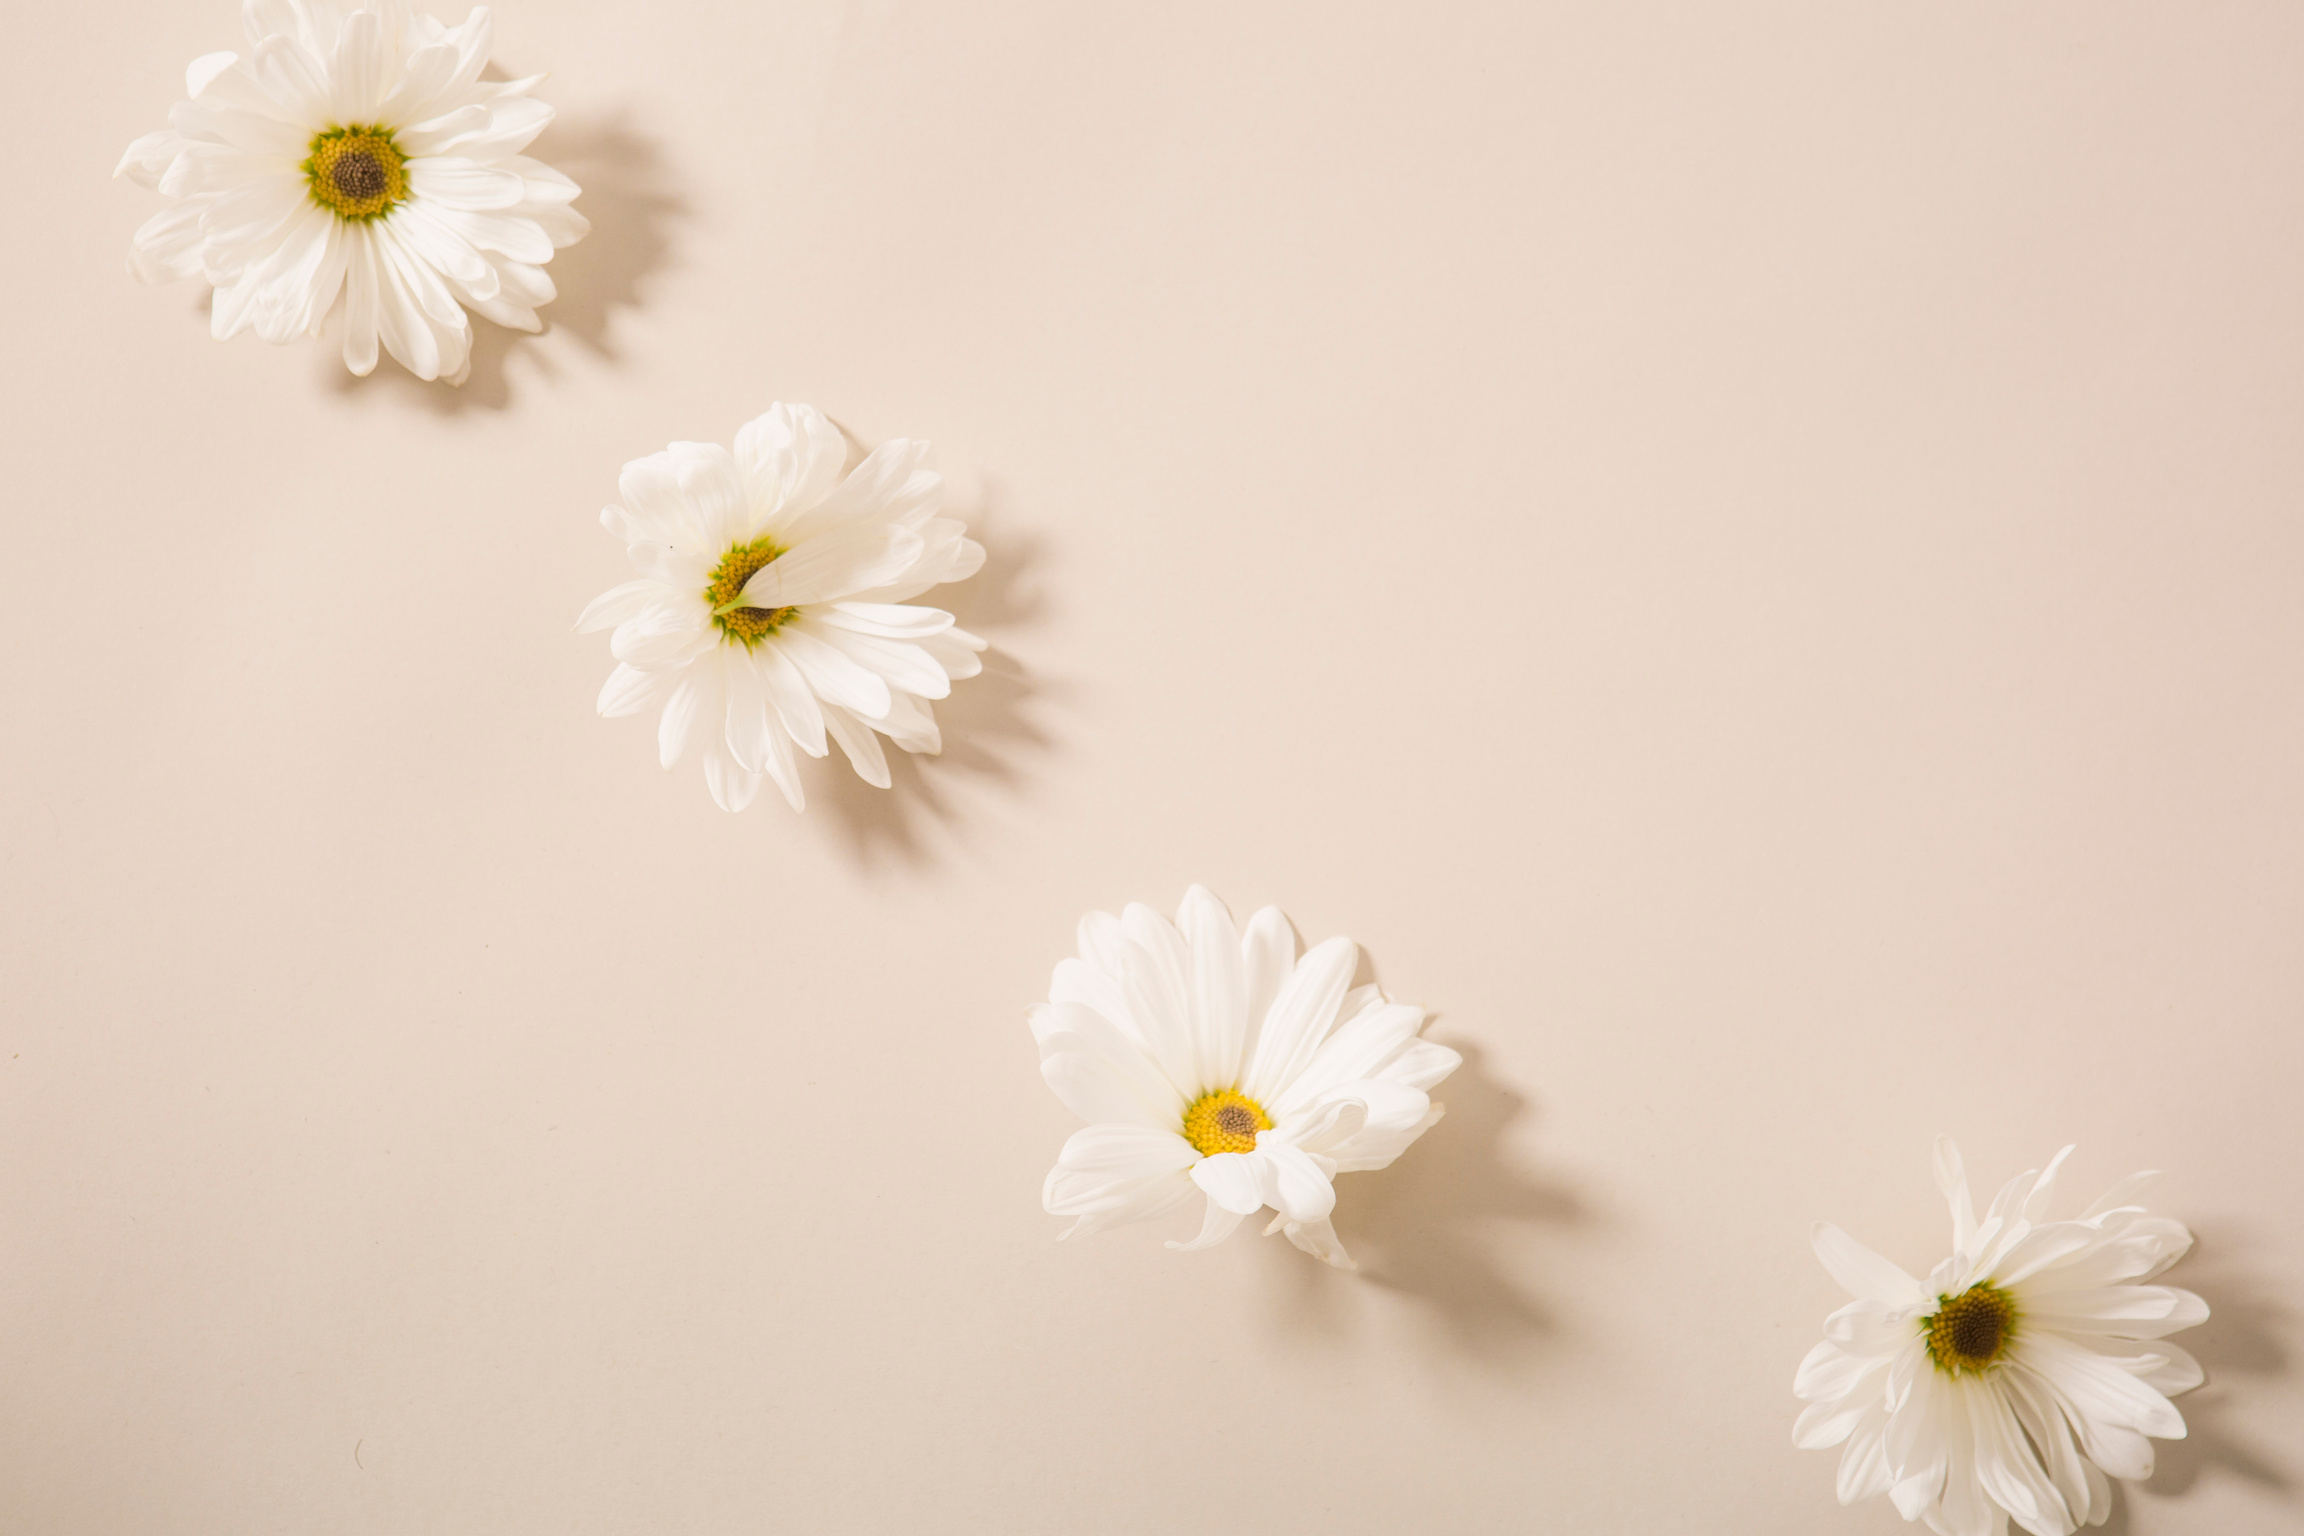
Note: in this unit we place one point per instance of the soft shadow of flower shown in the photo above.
(988, 723)
(629, 196)
(1428, 1226)
(2245, 1340)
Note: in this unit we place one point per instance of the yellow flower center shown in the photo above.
(1970, 1331)
(357, 174)
(1224, 1121)
(745, 626)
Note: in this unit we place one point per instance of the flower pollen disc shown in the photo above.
(745, 626)
(357, 174)
(1225, 1121)
(1970, 1331)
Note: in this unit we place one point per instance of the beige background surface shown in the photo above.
(1750, 553)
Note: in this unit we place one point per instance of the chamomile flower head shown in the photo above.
(1214, 1063)
(774, 606)
(2027, 1370)
(352, 175)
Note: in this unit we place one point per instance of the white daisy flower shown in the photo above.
(775, 606)
(1214, 1062)
(353, 174)
(2026, 1367)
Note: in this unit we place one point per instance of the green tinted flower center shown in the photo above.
(1970, 1331)
(357, 174)
(745, 626)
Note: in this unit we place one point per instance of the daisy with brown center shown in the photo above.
(352, 174)
(774, 610)
(2026, 1371)
(1217, 1063)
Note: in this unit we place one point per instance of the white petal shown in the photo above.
(1295, 1183)
(167, 246)
(1106, 1166)
(1216, 1226)
(1368, 1149)
(1218, 985)
(2101, 1391)
(1267, 955)
(835, 678)
(206, 68)
(288, 73)
(1299, 1018)
(1952, 1179)
(1231, 1180)
(616, 605)
(1860, 1271)
(2036, 1203)
(1071, 1027)
(683, 713)
(859, 745)
(2120, 1194)
(362, 60)
(630, 690)
(891, 621)
(1361, 1047)
(710, 490)
(795, 703)
(733, 787)
(1318, 1238)
(419, 97)
(833, 566)
(1828, 1374)
(2118, 1311)
(1092, 1089)
(1864, 1470)
(791, 458)
(456, 182)
(905, 666)
(895, 484)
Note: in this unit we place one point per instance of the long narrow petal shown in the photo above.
(1860, 1271)
(1952, 1179)
(1318, 1238)
(1216, 1226)
(836, 678)
(1219, 987)
(1300, 1017)
(1295, 1183)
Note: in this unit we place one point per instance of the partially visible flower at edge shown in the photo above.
(2026, 1367)
(1214, 1062)
(774, 610)
(353, 175)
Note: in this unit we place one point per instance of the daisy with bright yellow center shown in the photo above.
(774, 607)
(2024, 1373)
(352, 175)
(1218, 1063)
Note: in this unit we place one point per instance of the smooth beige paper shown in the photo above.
(1751, 553)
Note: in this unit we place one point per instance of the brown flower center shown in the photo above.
(1970, 1331)
(357, 174)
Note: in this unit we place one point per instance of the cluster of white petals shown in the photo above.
(1155, 1017)
(818, 638)
(446, 214)
(2078, 1380)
